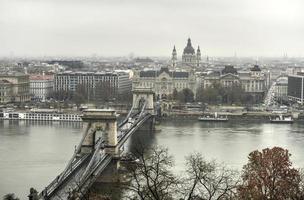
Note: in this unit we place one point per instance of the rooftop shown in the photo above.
(13, 74)
(91, 73)
(229, 69)
(156, 73)
(4, 82)
(256, 68)
(41, 77)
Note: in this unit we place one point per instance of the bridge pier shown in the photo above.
(149, 125)
(104, 121)
(143, 94)
(111, 174)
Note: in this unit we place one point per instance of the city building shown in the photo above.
(280, 89)
(5, 91)
(254, 81)
(69, 81)
(164, 81)
(293, 70)
(41, 86)
(295, 90)
(190, 59)
(20, 86)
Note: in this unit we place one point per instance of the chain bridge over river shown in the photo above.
(100, 144)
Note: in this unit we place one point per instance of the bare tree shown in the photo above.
(10, 196)
(104, 91)
(61, 95)
(125, 97)
(207, 180)
(94, 196)
(186, 95)
(33, 194)
(151, 176)
(80, 95)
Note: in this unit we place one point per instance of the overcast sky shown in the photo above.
(151, 27)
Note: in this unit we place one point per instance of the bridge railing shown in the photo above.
(90, 178)
(127, 117)
(93, 159)
(133, 128)
(56, 182)
(76, 152)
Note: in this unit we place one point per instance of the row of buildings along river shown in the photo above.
(190, 72)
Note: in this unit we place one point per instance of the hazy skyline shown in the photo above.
(151, 28)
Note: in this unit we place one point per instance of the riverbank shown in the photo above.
(254, 116)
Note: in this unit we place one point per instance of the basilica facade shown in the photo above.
(177, 76)
(190, 58)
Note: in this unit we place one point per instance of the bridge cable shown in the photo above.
(76, 151)
(92, 160)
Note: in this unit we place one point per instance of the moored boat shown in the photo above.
(40, 115)
(282, 119)
(213, 118)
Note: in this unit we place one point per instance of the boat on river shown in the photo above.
(281, 119)
(213, 118)
(40, 115)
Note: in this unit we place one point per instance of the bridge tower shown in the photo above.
(143, 94)
(105, 121)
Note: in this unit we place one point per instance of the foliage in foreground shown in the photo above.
(10, 196)
(267, 175)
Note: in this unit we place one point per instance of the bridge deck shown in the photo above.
(73, 181)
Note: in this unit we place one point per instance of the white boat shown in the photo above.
(40, 115)
(213, 118)
(281, 119)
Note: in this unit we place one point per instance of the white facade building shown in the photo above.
(68, 81)
(254, 81)
(41, 86)
(5, 91)
(20, 86)
(165, 81)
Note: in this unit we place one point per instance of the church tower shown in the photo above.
(174, 58)
(189, 57)
(198, 57)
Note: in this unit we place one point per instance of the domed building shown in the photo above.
(190, 58)
(167, 79)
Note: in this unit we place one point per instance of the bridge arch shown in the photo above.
(146, 94)
(99, 120)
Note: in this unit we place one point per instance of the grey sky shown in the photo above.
(151, 27)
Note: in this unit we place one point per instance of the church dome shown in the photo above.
(189, 49)
(229, 69)
(256, 68)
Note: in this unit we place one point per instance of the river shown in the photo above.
(33, 153)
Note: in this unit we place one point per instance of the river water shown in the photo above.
(33, 153)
